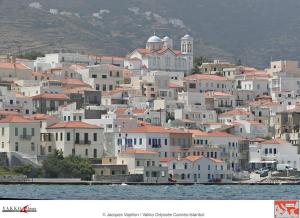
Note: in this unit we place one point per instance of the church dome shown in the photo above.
(186, 37)
(154, 39)
(166, 38)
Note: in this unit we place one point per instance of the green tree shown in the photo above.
(198, 61)
(56, 166)
(31, 55)
(28, 170)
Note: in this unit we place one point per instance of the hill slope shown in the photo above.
(252, 30)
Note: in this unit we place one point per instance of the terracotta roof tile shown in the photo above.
(154, 129)
(205, 77)
(192, 158)
(12, 66)
(237, 111)
(73, 124)
(54, 96)
(216, 160)
(15, 119)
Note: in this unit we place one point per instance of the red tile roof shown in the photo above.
(237, 111)
(73, 124)
(174, 86)
(192, 158)
(274, 141)
(154, 129)
(205, 77)
(77, 82)
(12, 66)
(216, 160)
(211, 134)
(145, 51)
(42, 117)
(7, 113)
(15, 119)
(52, 96)
(166, 159)
(138, 111)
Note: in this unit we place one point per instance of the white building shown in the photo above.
(166, 141)
(197, 169)
(21, 135)
(159, 54)
(145, 163)
(104, 77)
(207, 82)
(272, 152)
(78, 138)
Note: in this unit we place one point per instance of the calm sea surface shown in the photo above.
(116, 192)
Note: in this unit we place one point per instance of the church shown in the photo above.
(159, 54)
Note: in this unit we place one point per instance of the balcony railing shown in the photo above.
(82, 142)
(25, 137)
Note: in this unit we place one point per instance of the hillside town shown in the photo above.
(147, 117)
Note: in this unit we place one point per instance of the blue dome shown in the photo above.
(154, 39)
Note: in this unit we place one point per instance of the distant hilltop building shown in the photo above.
(159, 54)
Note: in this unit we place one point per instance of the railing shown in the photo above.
(82, 142)
(25, 137)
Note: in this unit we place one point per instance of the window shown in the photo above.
(16, 146)
(94, 76)
(95, 137)
(32, 147)
(208, 167)
(149, 141)
(174, 166)
(68, 136)
(86, 152)
(24, 131)
(137, 163)
(275, 151)
(104, 76)
(208, 176)
(266, 151)
(95, 153)
(61, 136)
(141, 141)
(56, 136)
(16, 132)
(192, 85)
(86, 138)
(49, 149)
(199, 167)
(185, 166)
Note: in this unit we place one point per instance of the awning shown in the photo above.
(264, 161)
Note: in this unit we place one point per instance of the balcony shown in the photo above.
(82, 142)
(25, 137)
